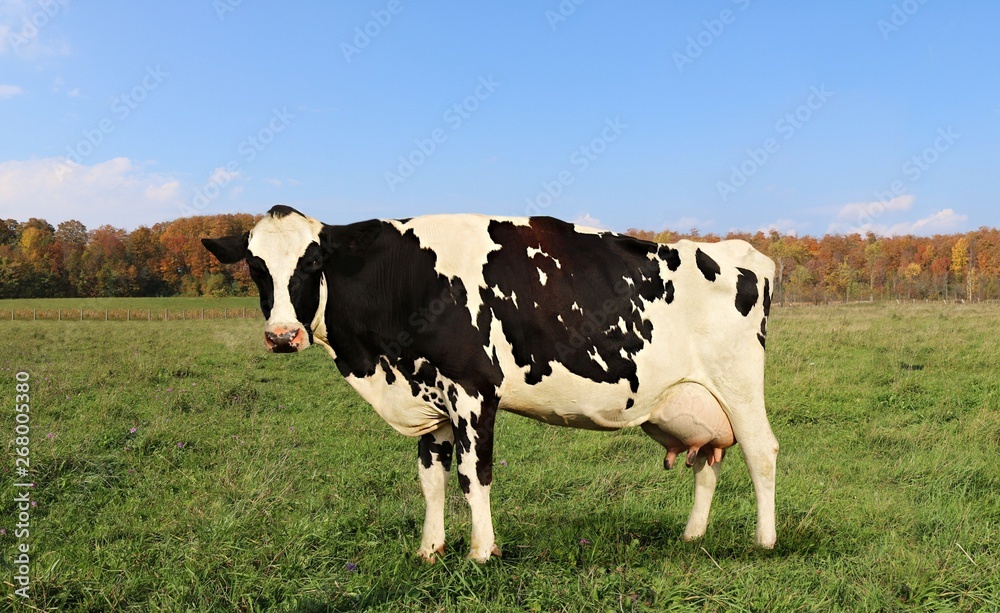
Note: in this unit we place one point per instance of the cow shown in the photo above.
(440, 321)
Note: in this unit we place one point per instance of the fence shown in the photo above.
(85, 314)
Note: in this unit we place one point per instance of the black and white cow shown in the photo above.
(439, 321)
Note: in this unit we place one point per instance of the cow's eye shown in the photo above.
(313, 264)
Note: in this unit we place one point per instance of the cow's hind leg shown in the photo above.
(433, 464)
(760, 450)
(473, 421)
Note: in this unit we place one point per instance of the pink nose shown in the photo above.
(284, 340)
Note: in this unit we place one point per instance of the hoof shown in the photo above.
(431, 556)
(494, 552)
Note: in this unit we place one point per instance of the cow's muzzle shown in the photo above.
(286, 339)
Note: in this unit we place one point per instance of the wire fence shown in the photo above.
(128, 314)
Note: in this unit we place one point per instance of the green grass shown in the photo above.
(888, 481)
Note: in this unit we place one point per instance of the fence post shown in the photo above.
(184, 314)
(81, 313)
(225, 313)
(128, 314)
(203, 312)
(34, 314)
(60, 313)
(105, 314)
(149, 314)
(244, 312)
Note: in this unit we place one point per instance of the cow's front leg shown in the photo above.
(705, 478)
(474, 454)
(433, 465)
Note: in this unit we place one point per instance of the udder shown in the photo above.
(690, 421)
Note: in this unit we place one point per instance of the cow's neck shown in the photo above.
(318, 324)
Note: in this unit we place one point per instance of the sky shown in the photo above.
(805, 117)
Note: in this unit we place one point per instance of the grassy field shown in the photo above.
(179, 467)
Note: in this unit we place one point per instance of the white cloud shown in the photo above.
(859, 212)
(119, 192)
(274, 182)
(945, 221)
(864, 217)
(785, 226)
(589, 222)
(9, 91)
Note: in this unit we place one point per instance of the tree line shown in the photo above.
(853, 267)
(38, 260)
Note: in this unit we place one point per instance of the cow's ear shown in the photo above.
(228, 249)
(353, 239)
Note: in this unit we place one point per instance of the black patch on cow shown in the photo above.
(462, 445)
(630, 403)
(404, 220)
(428, 451)
(668, 291)
(671, 256)
(762, 335)
(601, 279)
(303, 286)
(483, 424)
(746, 291)
(391, 303)
(280, 210)
(265, 284)
(390, 377)
(708, 267)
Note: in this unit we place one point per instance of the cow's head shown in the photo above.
(285, 257)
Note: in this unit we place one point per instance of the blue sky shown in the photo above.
(725, 114)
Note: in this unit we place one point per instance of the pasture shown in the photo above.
(180, 467)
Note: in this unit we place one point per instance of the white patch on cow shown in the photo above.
(513, 297)
(280, 242)
(622, 325)
(560, 319)
(396, 404)
(533, 251)
(542, 276)
(597, 358)
(319, 322)
(461, 244)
